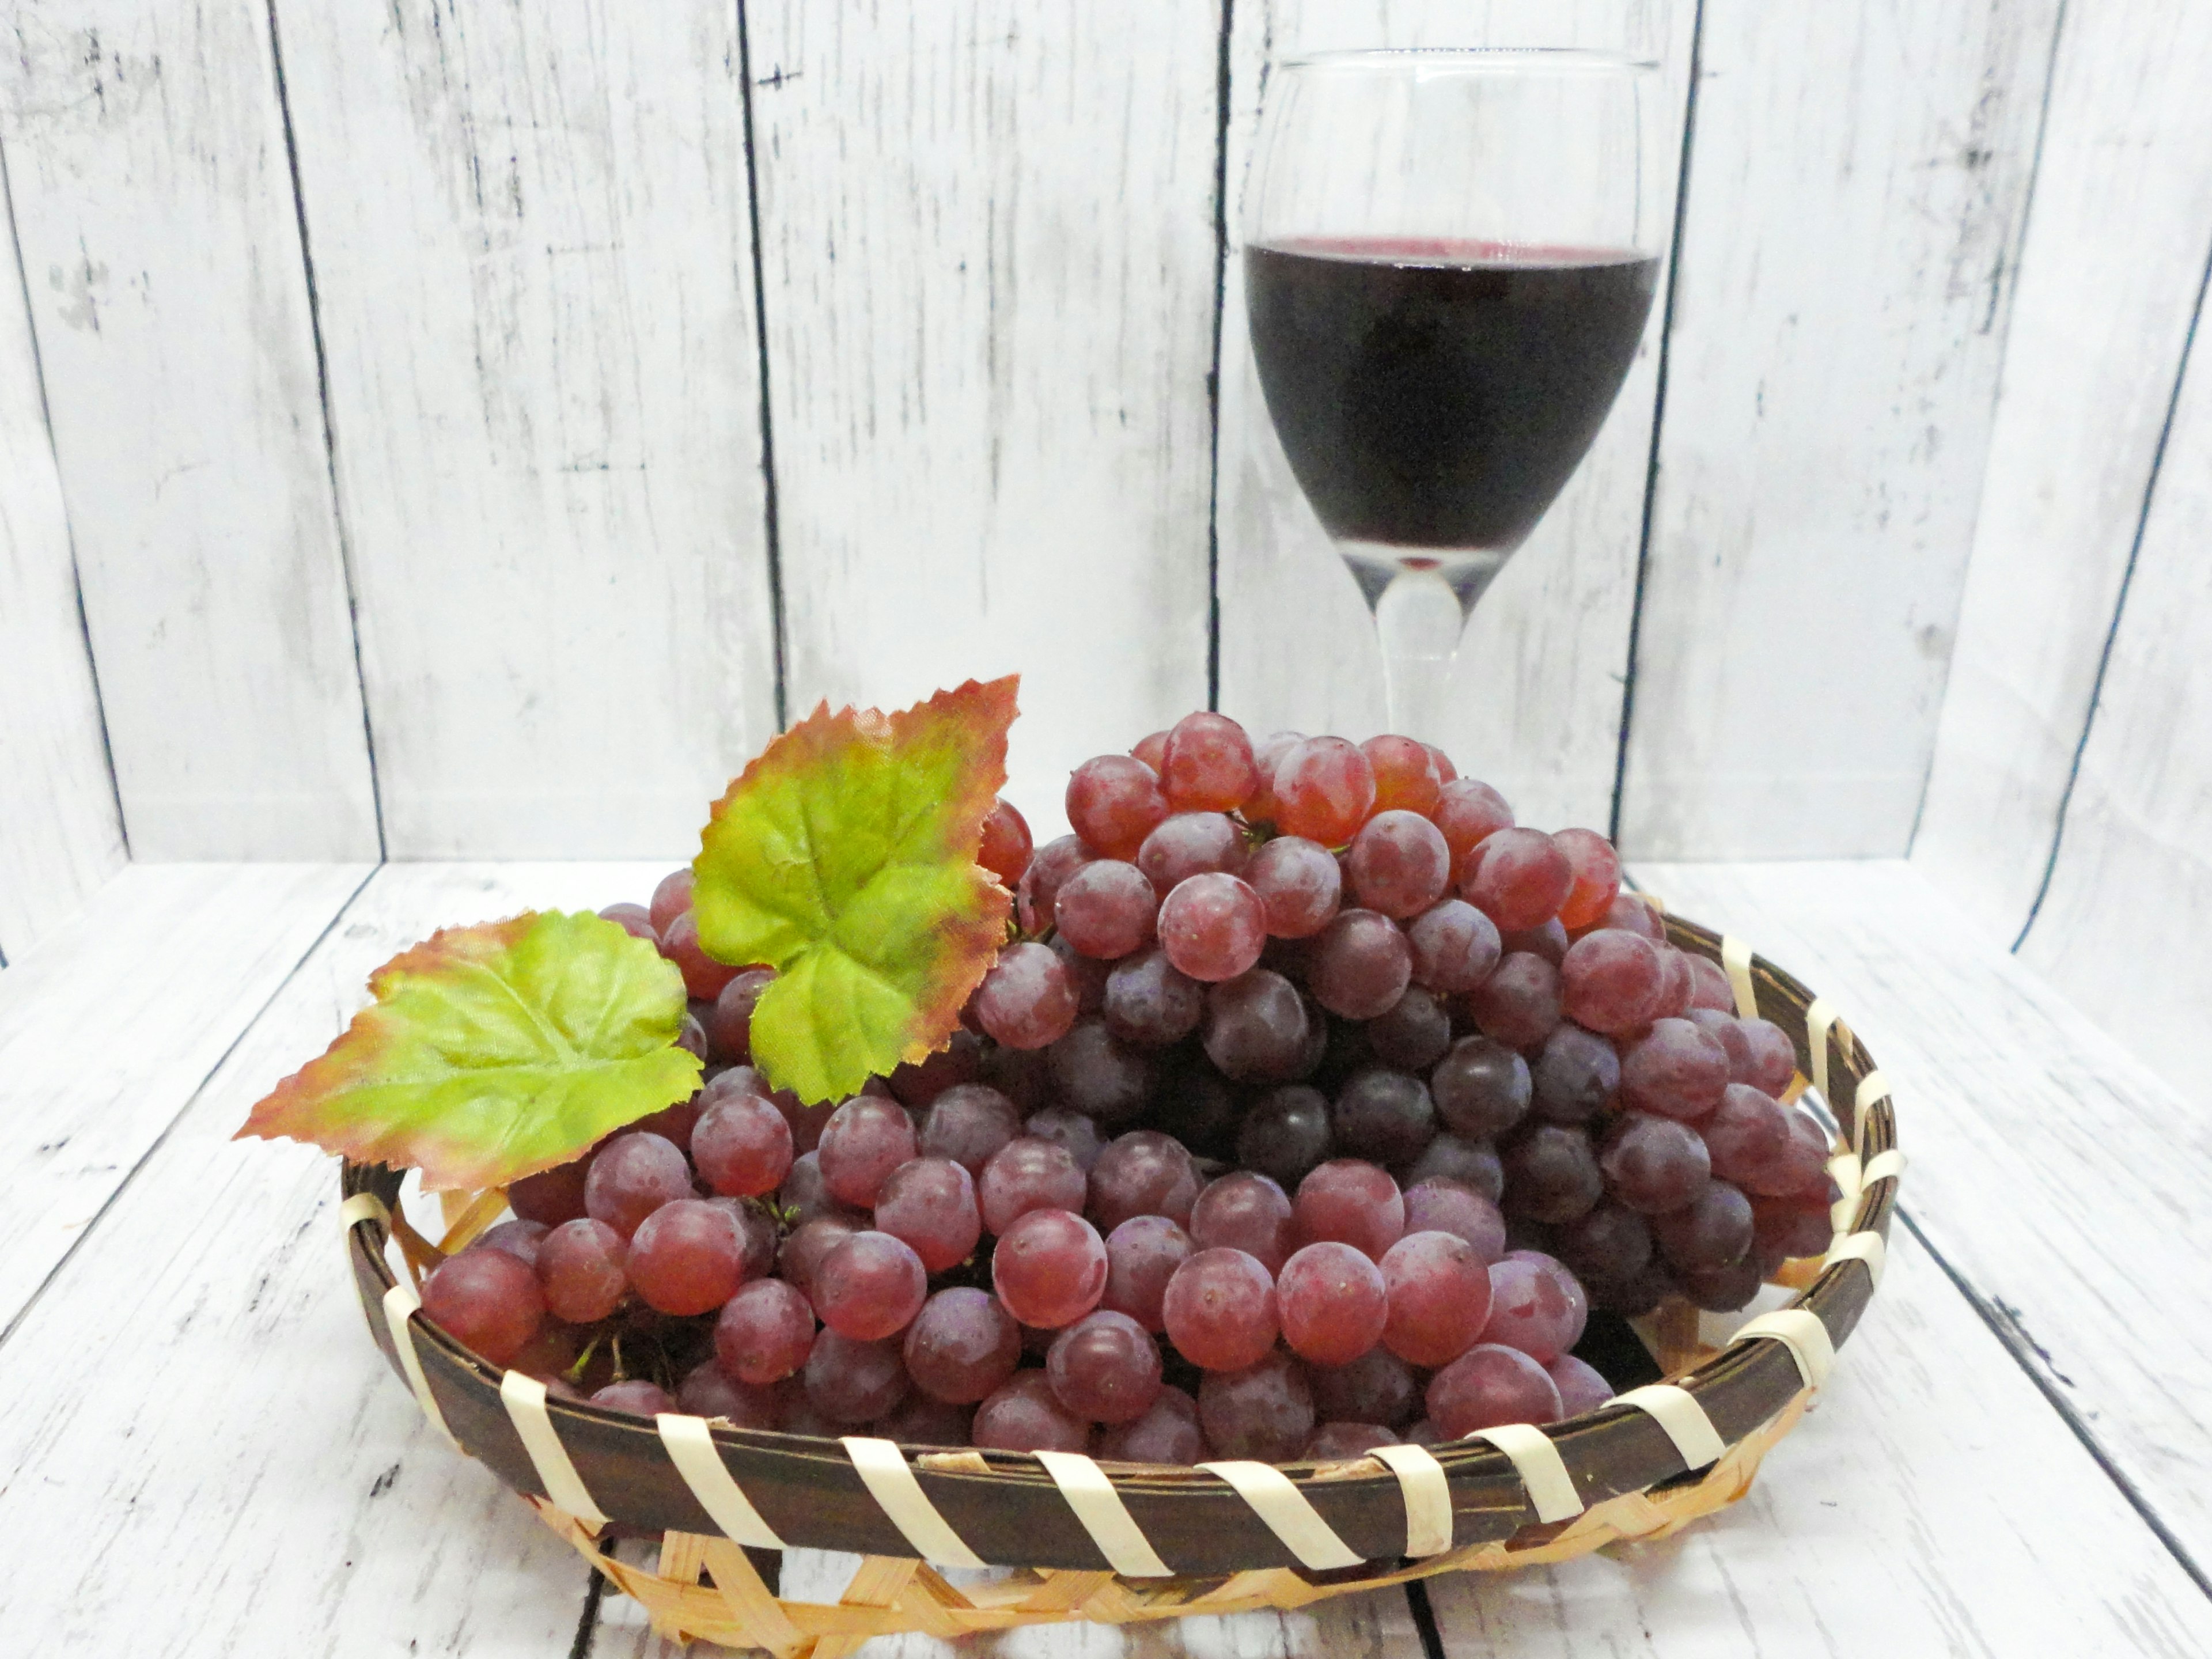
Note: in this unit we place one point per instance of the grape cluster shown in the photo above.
(1314, 1108)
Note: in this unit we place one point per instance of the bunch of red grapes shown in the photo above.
(1313, 1111)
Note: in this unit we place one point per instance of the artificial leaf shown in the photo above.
(844, 857)
(496, 1051)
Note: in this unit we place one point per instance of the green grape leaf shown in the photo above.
(845, 859)
(493, 1052)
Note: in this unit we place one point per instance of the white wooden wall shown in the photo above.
(441, 429)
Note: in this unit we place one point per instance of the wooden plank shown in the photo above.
(2109, 272)
(2121, 929)
(1931, 1503)
(1838, 332)
(1376, 1626)
(2053, 1170)
(282, 1493)
(110, 1025)
(987, 231)
(155, 207)
(61, 836)
(1540, 677)
(538, 307)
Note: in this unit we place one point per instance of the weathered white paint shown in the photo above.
(108, 1027)
(2122, 930)
(205, 1452)
(2050, 1168)
(2110, 270)
(1931, 1503)
(155, 207)
(60, 836)
(989, 260)
(1857, 180)
(538, 307)
(1539, 683)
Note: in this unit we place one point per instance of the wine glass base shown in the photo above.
(1466, 572)
(1421, 599)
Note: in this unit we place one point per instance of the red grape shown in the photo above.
(1105, 909)
(961, 1345)
(551, 1196)
(1247, 1211)
(1473, 1165)
(1105, 1368)
(1323, 790)
(1028, 1174)
(636, 1396)
(1723, 1290)
(1142, 1173)
(1219, 1310)
(1336, 1442)
(486, 1300)
(765, 1331)
(1006, 849)
(1049, 1268)
(685, 1258)
(1152, 1003)
(1596, 870)
(1262, 1411)
(1022, 1415)
(633, 1175)
(930, 1204)
(1440, 1204)
(703, 976)
(1332, 1303)
(803, 1192)
(967, 1123)
(1405, 775)
(1361, 964)
(708, 1391)
(1548, 940)
(1300, 883)
(1446, 772)
(1113, 801)
(1536, 1306)
(1190, 844)
(1582, 1386)
(1518, 879)
(1399, 864)
(1490, 1385)
(1351, 1202)
(865, 1139)
(579, 1270)
(1439, 1290)
(802, 1252)
(1675, 1069)
(742, 1146)
(1520, 1003)
(870, 1285)
(1049, 866)
(848, 1381)
(1575, 1076)
(1142, 1254)
(1077, 1134)
(634, 920)
(1455, 946)
(1168, 1432)
(1679, 992)
(1792, 1225)
(1469, 812)
(1257, 1027)
(1027, 999)
(1612, 980)
(1152, 749)
(1709, 985)
(729, 1020)
(1207, 764)
(520, 1239)
(671, 898)
(1551, 1175)
(1212, 927)
(918, 1420)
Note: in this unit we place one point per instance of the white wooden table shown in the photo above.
(202, 1454)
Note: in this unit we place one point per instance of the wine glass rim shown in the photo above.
(1474, 60)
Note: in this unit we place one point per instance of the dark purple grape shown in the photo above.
(1711, 1232)
(1049, 867)
(1437, 1205)
(1192, 1103)
(1474, 1163)
(967, 1124)
(1575, 1076)
(1653, 1164)
(1077, 1134)
(1413, 1032)
(1675, 1069)
(1285, 1134)
(1378, 1387)
(1611, 1244)
(1264, 1412)
(1724, 1289)
(1383, 1115)
(1256, 1027)
(1361, 964)
(1519, 1003)
(1481, 1087)
(958, 1061)
(1551, 1175)
(1099, 1075)
(1150, 1003)
(1086, 975)
(1142, 1173)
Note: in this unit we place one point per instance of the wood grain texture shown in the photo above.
(2110, 271)
(1537, 690)
(2052, 1170)
(1931, 1503)
(988, 237)
(538, 307)
(107, 1028)
(60, 833)
(281, 1494)
(1856, 185)
(155, 207)
(1378, 1626)
(2121, 929)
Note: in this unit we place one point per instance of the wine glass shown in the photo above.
(1449, 260)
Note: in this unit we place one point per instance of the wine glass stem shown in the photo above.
(1418, 620)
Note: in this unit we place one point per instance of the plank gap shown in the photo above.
(1221, 110)
(778, 632)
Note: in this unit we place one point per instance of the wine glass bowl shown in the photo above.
(1449, 260)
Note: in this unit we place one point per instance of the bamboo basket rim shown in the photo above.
(1750, 1392)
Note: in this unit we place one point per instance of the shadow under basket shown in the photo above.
(1119, 1543)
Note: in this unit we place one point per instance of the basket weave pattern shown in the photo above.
(1224, 1538)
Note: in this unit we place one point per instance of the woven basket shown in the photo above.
(1121, 1543)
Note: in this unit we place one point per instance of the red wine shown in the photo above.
(1438, 394)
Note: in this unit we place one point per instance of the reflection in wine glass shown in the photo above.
(1449, 257)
